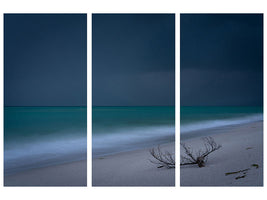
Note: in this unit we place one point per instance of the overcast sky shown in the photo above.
(221, 59)
(133, 59)
(45, 59)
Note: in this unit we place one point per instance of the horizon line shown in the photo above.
(45, 106)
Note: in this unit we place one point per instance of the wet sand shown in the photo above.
(69, 174)
(132, 169)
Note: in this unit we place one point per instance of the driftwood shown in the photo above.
(201, 157)
(165, 159)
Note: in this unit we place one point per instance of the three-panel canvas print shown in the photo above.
(135, 109)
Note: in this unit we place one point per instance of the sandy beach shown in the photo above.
(69, 174)
(132, 169)
(238, 163)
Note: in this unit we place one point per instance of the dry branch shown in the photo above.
(201, 157)
(165, 159)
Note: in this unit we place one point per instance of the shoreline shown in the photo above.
(68, 174)
(242, 148)
(146, 147)
(131, 168)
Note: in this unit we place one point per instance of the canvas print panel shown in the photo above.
(45, 100)
(221, 100)
(133, 99)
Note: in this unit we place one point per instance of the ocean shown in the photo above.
(196, 118)
(118, 129)
(43, 136)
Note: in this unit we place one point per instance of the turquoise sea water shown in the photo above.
(117, 129)
(196, 118)
(42, 136)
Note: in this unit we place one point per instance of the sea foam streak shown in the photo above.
(29, 155)
(131, 138)
(42, 136)
(202, 125)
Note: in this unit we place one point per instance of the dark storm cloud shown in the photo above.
(221, 59)
(45, 59)
(133, 59)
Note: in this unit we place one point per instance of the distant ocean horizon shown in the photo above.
(43, 136)
(198, 118)
(124, 128)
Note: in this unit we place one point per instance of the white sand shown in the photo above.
(70, 174)
(132, 169)
(242, 146)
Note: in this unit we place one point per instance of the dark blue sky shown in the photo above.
(45, 59)
(133, 59)
(221, 59)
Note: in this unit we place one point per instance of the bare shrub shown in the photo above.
(165, 159)
(200, 158)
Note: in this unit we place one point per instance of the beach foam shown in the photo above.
(51, 151)
(202, 125)
(131, 138)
